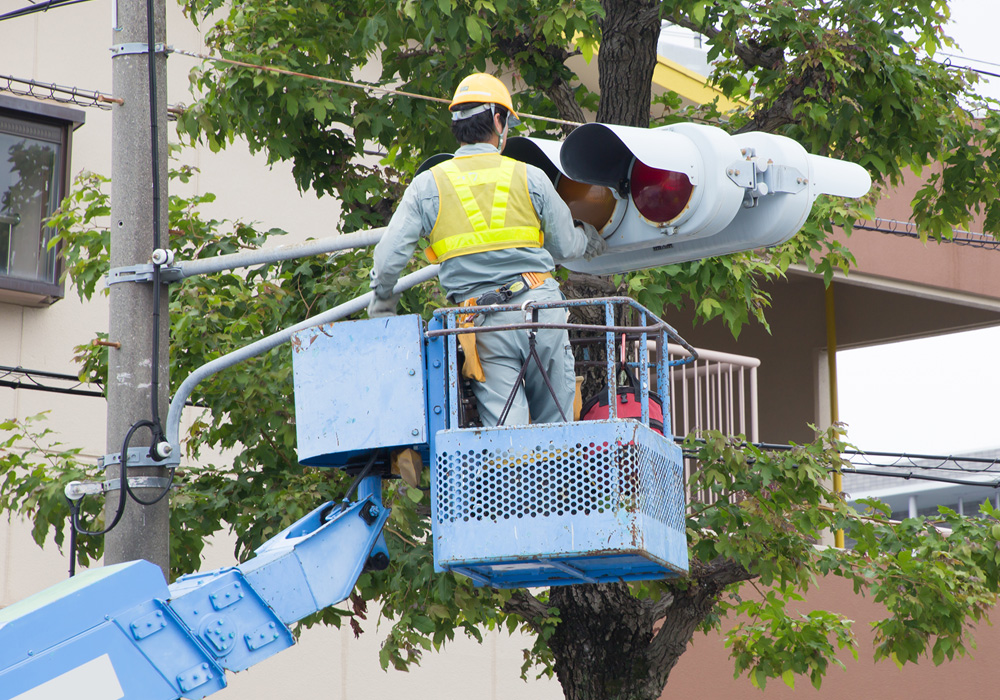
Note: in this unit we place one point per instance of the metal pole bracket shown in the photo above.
(138, 482)
(138, 47)
(137, 457)
(141, 273)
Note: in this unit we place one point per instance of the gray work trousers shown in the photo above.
(504, 352)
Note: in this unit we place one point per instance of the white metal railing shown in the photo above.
(718, 391)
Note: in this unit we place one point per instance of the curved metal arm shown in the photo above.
(263, 345)
(347, 241)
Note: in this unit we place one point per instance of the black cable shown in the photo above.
(122, 492)
(72, 391)
(921, 477)
(984, 242)
(157, 282)
(74, 508)
(357, 480)
(886, 471)
(125, 485)
(41, 7)
(6, 370)
(125, 490)
(163, 494)
(980, 71)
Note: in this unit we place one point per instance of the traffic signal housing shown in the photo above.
(686, 191)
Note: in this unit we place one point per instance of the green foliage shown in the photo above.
(418, 46)
(935, 578)
(34, 469)
(86, 205)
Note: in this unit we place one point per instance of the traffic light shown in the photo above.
(685, 191)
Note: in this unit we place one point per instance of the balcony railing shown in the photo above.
(718, 391)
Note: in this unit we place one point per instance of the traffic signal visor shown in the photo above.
(685, 191)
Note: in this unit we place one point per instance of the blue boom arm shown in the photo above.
(121, 632)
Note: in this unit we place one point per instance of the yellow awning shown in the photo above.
(670, 75)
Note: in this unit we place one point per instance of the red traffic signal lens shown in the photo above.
(591, 203)
(659, 195)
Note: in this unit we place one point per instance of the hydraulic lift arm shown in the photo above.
(121, 632)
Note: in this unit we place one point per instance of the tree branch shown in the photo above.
(770, 57)
(658, 608)
(753, 56)
(688, 608)
(561, 94)
(528, 608)
(720, 572)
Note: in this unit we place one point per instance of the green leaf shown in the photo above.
(474, 29)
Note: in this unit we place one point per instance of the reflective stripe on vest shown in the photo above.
(464, 186)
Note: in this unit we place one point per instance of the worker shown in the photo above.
(497, 227)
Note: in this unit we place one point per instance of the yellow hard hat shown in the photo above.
(481, 88)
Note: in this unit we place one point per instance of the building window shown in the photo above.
(35, 142)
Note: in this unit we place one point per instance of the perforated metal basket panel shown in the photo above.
(608, 495)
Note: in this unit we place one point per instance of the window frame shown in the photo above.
(36, 293)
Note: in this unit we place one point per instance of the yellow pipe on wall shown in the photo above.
(831, 362)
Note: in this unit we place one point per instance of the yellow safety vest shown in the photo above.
(483, 205)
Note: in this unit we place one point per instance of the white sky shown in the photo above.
(938, 395)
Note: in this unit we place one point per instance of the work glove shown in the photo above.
(596, 245)
(380, 308)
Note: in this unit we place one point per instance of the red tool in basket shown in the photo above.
(628, 405)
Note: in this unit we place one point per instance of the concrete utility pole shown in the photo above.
(143, 531)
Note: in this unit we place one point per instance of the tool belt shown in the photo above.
(473, 369)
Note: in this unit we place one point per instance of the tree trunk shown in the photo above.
(625, 62)
(609, 645)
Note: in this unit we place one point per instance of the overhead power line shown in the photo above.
(948, 64)
(976, 471)
(348, 83)
(981, 472)
(39, 7)
(79, 97)
(908, 229)
(40, 380)
(958, 470)
(57, 93)
(969, 58)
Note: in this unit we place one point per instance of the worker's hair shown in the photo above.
(479, 127)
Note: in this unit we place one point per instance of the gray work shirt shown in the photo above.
(467, 276)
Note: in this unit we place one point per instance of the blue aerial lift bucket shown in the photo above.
(511, 506)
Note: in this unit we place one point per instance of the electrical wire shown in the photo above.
(41, 7)
(75, 96)
(122, 494)
(125, 490)
(80, 97)
(29, 379)
(347, 83)
(908, 229)
(74, 509)
(980, 71)
(357, 480)
(902, 466)
(157, 224)
(969, 58)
